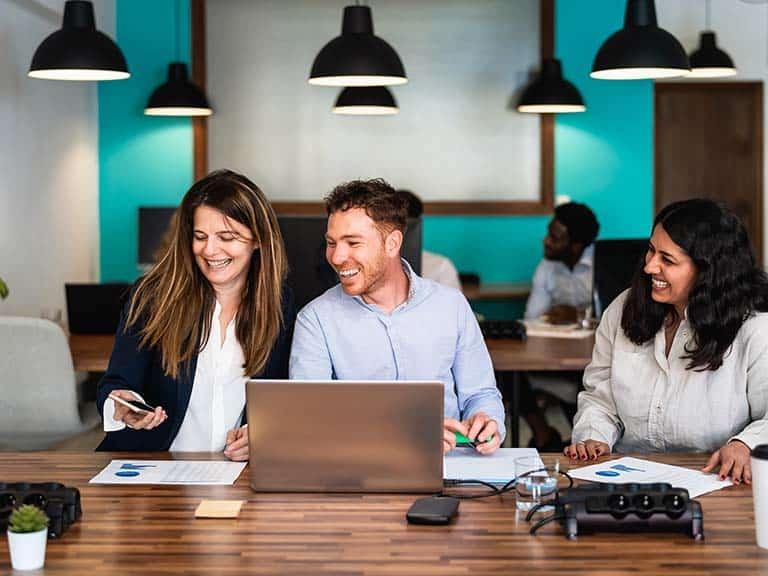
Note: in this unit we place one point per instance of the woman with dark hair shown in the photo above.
(681, 358)
(212, 311)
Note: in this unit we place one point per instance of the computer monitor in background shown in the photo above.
(154, 222)
(95, 308)
(614, 267)
(309, 273)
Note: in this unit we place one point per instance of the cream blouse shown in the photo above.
(638, 399)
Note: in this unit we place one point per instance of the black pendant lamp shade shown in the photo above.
(78, 51)
(357, 57)
(178, 96)
(708, 61)
(641, 49)
(366, 101)
(550, 92)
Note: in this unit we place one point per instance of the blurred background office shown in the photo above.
(79, 159)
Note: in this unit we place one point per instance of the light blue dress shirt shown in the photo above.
(556, 284)
(433, 335)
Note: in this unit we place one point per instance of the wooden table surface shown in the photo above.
(151, 530)
(496, 291)
(90, 353)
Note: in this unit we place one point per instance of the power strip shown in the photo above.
(626, 508)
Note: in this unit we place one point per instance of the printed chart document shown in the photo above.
(636, 470)
(498, 468)
(169, 472)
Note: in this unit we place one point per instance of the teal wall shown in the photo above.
(143, 160)
(604, 157)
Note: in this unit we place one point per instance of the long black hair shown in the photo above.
(729, 286)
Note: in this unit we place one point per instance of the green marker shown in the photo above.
(462, 440)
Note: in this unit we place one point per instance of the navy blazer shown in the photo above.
(141, 370)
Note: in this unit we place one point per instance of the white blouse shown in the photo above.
(218, 394)
(636, 398)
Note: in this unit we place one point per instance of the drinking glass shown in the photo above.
(535, 482)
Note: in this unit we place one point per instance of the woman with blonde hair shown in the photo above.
(211, 313)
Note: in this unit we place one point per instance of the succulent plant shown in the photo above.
(27, 518)
(3, 290)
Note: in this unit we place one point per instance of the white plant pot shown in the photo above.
(27, 549)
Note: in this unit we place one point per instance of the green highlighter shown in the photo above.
(462, 440)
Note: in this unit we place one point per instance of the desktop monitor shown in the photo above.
(309, 273)
(615, 264)
(154, 222)
(95, 308)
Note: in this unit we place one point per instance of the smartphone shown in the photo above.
(134, 405)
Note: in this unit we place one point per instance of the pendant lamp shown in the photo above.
(641, 49)
(178, 96)
(550, 92)
(78, 51)
(709, 61)
(357, 57)
(366, 101)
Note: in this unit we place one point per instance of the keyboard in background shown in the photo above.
(497, 329)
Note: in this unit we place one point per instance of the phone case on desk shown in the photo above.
(433, 510)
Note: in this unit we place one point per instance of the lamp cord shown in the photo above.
(708, 15)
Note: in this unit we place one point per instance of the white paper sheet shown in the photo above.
(169, 472)
(539, 328)
(629, 469)
(498, 468)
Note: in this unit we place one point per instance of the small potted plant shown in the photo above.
(3, 290)
(27, 537)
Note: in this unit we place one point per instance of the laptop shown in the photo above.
(95, 308)
(345, 436)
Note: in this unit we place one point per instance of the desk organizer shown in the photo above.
(60, 503)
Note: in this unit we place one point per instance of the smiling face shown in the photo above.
(672, 271)
(222, 248)
(358, 251)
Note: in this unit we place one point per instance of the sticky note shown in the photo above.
(219, 509)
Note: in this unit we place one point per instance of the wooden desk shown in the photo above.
(150, 530)
(545, 354)
(90, 353)
(496, 291)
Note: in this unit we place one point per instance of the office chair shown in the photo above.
(38, 392)
(615, 263)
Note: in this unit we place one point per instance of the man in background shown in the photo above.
(433, 266)
(561, 292)
(562, 283)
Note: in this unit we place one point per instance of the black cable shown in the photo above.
(495, 490)
(544, 521)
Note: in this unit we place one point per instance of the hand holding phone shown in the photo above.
(134, 413)
(133, 405)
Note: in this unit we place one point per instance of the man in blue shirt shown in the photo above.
(383, 322)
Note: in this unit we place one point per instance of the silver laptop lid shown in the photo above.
(345, 436)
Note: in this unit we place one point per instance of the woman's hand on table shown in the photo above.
(587, 450)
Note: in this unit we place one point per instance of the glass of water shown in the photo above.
(535, 482)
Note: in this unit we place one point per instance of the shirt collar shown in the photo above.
(418, 290)
(587, 256)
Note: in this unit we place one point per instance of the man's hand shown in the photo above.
(484, 432)
(589, 449)
(449, 439)
(136, 420)
(734, 462)
(237, 444)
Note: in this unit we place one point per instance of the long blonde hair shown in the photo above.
(173, 303)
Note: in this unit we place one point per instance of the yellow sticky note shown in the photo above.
(219, 509)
